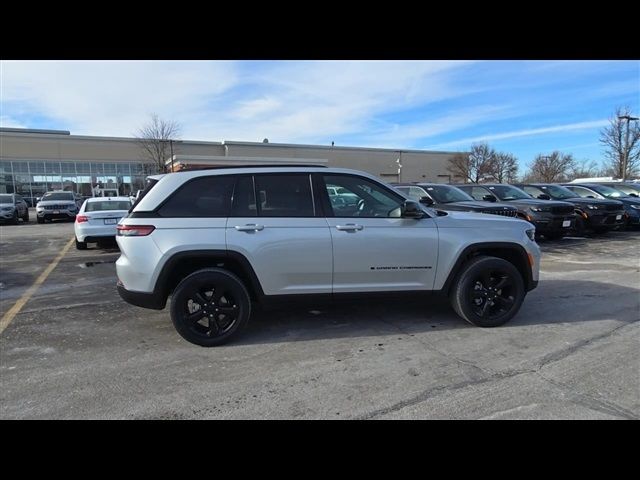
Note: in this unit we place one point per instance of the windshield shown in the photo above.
(6, 199)
(108, 205)
(57, 196)
(447, 194)
(507, 192)
(557, 192)
(608, 191)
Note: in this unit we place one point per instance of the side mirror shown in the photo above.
(426, 201)
(411, 209)
(489, 198)
(544, 196)
(633, 194)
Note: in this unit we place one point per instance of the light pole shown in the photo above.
(625, 160)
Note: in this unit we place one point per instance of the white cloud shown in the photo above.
(284, 101)
(526, 133)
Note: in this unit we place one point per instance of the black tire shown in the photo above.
(197, 302)
(579, 226)
(81, 245)
(480, 295)
(25, 217)
(40, 220)
(14, 220)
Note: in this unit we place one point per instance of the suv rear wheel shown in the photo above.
(210, 307)
(489, 292)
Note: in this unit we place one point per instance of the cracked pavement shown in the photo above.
(76, 350)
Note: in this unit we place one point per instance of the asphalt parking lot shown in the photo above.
(76, 350)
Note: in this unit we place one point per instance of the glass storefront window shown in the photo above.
(67, 167)
(36, 167)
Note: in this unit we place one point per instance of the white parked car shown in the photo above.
(98, 218)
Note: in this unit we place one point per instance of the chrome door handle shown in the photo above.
(349, 227)
(249, 227)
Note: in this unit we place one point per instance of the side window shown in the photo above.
(286, 195)
(533, 191)
(417, 193)
(202, 197)
(244, 198)
(583, 192)
(363, 198)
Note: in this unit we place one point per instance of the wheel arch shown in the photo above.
(181, 264)
(511, 252)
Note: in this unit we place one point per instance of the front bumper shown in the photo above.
(553, 223)
(605, 219)
(56, 214)
(7, 215)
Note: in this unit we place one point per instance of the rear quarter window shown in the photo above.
(201, 197)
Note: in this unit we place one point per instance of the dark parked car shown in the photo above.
(553, 219)
(630, 188)
(448, 197)
(594, 190)
(13, 207)
(591, 214)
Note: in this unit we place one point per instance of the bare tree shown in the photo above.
(505, 168)
(617, 148)
(584, 169)
(551, 168)
(156, 138)
(475, 166)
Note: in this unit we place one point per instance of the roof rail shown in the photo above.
(275, 165)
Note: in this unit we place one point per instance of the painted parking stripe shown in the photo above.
(13, 311)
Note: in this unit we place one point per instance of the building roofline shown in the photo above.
(335, 147)
(63, 134)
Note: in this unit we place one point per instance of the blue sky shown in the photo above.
(523, 107)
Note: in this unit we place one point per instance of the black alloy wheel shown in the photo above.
(489, 291)
(210, 306)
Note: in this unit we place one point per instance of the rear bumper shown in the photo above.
(141, 299)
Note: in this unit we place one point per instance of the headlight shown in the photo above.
(635, 207)
(592, 207)
(540, 209)
(531, 233)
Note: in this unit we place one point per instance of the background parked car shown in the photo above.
(56, 205)
(13, 207)
(591, 213)
(448, 197)
(630, 188)
(97, 219)
(553, 219)
(594, 190)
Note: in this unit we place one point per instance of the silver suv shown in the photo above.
(218, 241)
(56, 205)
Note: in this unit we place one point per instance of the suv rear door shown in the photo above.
(284, 237)
(374, 249)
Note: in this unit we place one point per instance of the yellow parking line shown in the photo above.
(13, 311)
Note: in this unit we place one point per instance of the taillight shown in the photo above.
(81, 218)
(134, 230)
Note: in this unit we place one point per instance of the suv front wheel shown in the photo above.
(488, 292)
(210, 307)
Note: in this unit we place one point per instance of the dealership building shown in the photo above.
(36, 161)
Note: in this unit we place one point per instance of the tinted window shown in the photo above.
(366, 198)
(583, 192)
(284, 195)
(533, 191)
(107, 205)
(476, 192)
(6, 199)
(447, 194)
(244, 198)
(202, 197)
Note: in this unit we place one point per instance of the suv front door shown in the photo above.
(374, 248)
(287, 243)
